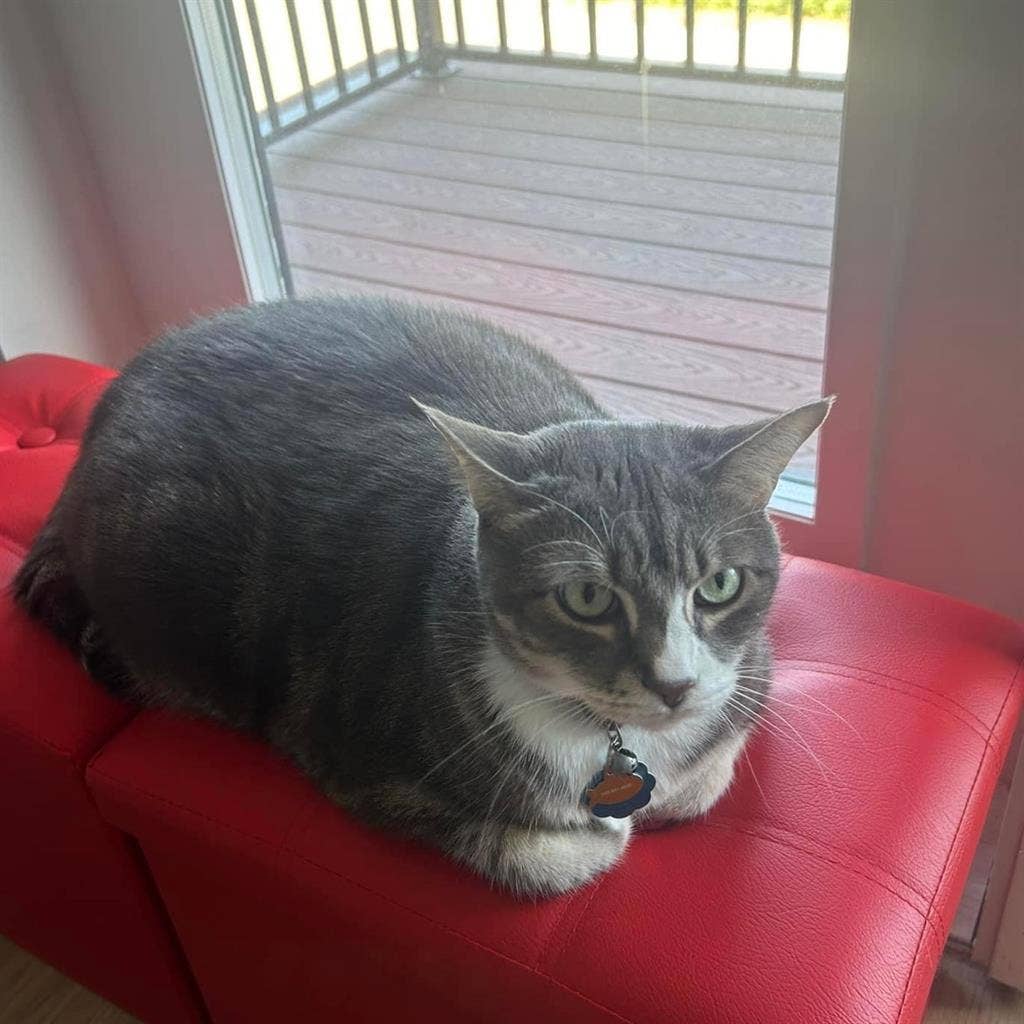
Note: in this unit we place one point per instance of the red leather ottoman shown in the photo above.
(73, 890)
(819, 891)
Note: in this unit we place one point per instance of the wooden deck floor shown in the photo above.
(669, 240)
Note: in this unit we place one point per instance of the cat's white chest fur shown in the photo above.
(575, 750)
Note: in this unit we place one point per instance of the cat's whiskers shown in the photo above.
(564, 714)
(719, 537)
(723, 716)
(776, 700)
(565, 508)
(715, 529)
(510, 770)
(810, 696)
(502, 719)
(552, 543)
(753, 775)
(590, 564)
(757, 716)
(627, 512)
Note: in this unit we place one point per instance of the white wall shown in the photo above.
(62, 286)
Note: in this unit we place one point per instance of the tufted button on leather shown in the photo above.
(36, 437)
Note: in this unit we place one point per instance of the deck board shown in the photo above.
(678, 265)
(717, 91)
(634, 105)
(633, 374)
(423, 216)
(426, 100)
(363, 120)
(534, 178)
(732, 323)
(757, 382)
(801, 246)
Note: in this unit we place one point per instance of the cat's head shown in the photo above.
(628, 565)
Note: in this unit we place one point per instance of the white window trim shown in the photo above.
(243, 176)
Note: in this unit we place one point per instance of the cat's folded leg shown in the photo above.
(698, 788)
(543, 861)
(528, 861)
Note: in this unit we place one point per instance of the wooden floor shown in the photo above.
(669, 240)
(31, 992)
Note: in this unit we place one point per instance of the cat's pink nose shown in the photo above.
(672, 691)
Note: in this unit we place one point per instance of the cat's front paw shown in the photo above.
(698, 790)
(547, 862)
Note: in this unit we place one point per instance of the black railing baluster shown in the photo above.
(545, 18)
(396, 18)
(261, 61)
(371, 56)
(798, 18)
(639, 33)
(592, 24)
(741, 57)
(689, 34)
(300, 55)
(460, 28)
(332, 34)
(502, 28)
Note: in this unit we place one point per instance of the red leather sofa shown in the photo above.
(184, 871)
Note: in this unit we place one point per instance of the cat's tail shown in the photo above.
(45, 587)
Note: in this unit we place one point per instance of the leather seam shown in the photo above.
(57, 417)
(15, 427)
(767, 828)
(75, 395)
(925, 917)
(32, 737)
(127, 788)
(872, 678)
(12, 545)
(564, 944)
(952, 846)
(916, 696)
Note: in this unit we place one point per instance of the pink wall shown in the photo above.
(948, 493)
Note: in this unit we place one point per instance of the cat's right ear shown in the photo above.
(485, 457)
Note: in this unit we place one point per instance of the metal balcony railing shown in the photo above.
(425, 34)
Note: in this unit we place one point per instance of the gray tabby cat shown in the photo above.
(411, 552)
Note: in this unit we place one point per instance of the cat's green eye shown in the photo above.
(587, 601)
(721, 588)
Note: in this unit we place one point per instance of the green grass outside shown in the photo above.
(830, 10)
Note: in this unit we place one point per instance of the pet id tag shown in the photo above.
(622, 786)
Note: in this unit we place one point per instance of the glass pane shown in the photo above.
(350, 34)
(716, 33)
(769, 35)
(664, 228)
(449, 25)
(616, 31)
(824, 38)
(480, 24)
(570, 32)
(524, 27)
(665, 33)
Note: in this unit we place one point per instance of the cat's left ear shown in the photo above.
(751, 469)
(486, 457)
